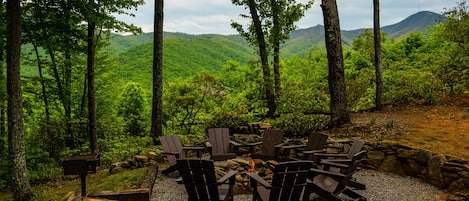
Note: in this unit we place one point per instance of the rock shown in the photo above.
(435, 174)
(422, 155)
(141, 158)
(152, 155)
(116, 170)
(456, 186)
(392, 165)
(374, 158)
(404, 153)
(232, 165)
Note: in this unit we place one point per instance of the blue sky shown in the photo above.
(214, 16)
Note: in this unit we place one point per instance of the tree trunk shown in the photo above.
(3, 95)
(157, 103)
(20, 184)
(268, 84)
(91, 89)
(43, 86)
(338, 105)
(276, 44)
(379, 70)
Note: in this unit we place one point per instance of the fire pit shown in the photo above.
(244, 164)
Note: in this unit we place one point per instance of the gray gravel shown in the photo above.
(380, 187)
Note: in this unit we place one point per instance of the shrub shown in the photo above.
(299, 124)
(229, 120)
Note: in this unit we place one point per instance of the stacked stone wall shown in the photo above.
(441, 170)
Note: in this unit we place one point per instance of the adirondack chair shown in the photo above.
(200, 182)
(174, 150)
(316, 142)
(272, 141)
(289, 182)
(345, 158)
(219, 144)
(356, 147)
(329, 184)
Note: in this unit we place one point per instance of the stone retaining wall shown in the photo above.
(444, 171)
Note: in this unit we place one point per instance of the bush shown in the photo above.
(229, 120)
(299, 124)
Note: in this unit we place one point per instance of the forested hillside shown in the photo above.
(186, 54)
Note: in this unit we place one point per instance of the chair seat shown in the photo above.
(325, 182)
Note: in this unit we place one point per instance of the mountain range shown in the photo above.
(185, 54)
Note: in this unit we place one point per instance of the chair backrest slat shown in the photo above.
(199, 179)
(356, 147)
(289, 180)
(172, 143)
(270, 138)
(316, 141)
(220, 139)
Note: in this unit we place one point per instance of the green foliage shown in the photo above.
(119, 147)
(132, 110)
(390, 123)
(299, 124)
(226, 119)
(373, 121)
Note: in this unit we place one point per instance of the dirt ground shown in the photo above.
(441, 128)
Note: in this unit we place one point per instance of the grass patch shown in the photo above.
(60, 190)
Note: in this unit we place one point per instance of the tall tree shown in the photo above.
(378, 69)
(258, 32)
(338, 104)
(274, 19)
(93, 136)
(100, 14)
(20, 184)
(283, 14)
(3, 94)
(157, 102)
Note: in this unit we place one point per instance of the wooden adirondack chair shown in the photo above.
(219, 144)
(272, 141)
(316, 142)
(289, 182)
(344, 159)
(329, 184)
(199, 179)
(174, 150)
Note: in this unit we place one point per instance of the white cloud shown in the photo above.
(214, 16)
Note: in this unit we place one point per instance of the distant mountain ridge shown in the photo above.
(186, 54)
(300, 40)
(314, 36)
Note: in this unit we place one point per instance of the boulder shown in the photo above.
(435, 173)
(392, 165)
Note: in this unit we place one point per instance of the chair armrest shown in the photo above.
(193, 148)
(256, 178)
(171, 153)
(208, 144)
(227, 176)
(234, 143)
(313, 151)
(279, 145)
(252, 144)
(325, 155)
(337, 160)
(294, 146)
(198, 150)
(328, 164)
(315, 172)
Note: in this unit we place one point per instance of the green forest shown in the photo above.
(208, 81)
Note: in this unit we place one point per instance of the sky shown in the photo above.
(214, 16)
